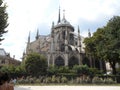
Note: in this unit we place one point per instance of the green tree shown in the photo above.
(3, 19)
(63, 69)
(105, 43)
(5, 69)
(36, 64)
(81, 69)
(112, 44)
(90, 50)
(52, 70)
(20, 71)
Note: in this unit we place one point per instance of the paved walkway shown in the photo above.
(67, 88)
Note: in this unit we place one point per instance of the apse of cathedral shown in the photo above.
(62, 47)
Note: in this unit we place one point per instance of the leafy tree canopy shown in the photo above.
(3, 19)
(36, 64)
(105, 43)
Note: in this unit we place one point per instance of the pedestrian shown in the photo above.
(4, 82)
(14, 81)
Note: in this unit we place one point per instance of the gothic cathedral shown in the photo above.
(62, 47)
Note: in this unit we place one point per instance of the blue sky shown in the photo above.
(30, 15)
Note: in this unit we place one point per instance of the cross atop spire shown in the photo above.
(63, 14)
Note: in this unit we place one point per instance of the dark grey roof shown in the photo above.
(2, 52)
(64, 22)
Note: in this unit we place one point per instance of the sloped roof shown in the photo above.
(2, 52)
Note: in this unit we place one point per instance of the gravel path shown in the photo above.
(67, 88)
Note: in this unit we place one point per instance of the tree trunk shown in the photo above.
(114, 70)
(113, 63)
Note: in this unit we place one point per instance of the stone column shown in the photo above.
(66, 59)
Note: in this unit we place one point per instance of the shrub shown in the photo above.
(58, 79)
(97, 80)
(53, 79)
(64, 79)
(109, 81)
(78, 80)
(48, 80)
(38, 81)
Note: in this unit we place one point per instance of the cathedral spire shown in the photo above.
(59, 16)
(24, 53)
(29, 38)
(52, 24)
(79, 36)
(52, 29)
(78, 30)
(37, 34)
(89, 33)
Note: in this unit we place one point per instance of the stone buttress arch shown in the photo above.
(59, 61)
(73, 61)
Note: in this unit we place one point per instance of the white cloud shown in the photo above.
(24, 16)
(88, 9)
(28, 15)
